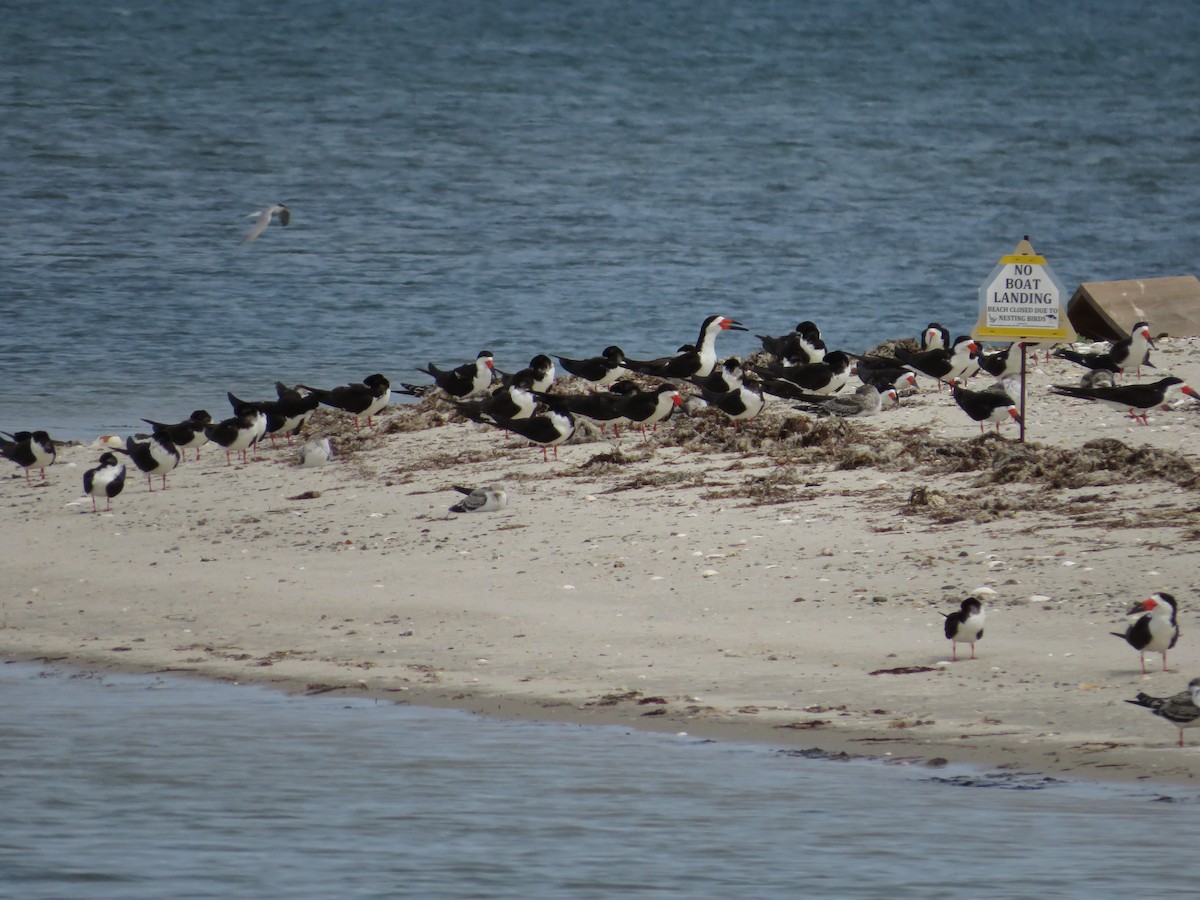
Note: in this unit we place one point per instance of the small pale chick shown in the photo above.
(262, 219)
(484, 499)
(315, 453)
(965, 626)
(1182, 710)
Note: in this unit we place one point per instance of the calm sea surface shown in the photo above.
(552, 176)
(538, 177)
(150, 787)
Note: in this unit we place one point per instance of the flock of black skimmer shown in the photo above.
(794, 367)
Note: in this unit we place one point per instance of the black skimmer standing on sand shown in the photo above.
(187, 434)
(483, 499)
(461, 381)
(792, 382)
(941, 364)
(540, 372)
(1156, 628)
(600, 370)
(965, 626)
(887, 378)
(1001, 363)
(512, 401)
(1182, 710)
(726, 377)
(993, 404)
(866, 401)
(601, 407)
(363, 400)
(157, 456)
(551, 428)
(935, 337)
(106, 480)
(741, 404)
(1130, 352)
(28, 449)
(263, 218)
(1135, 399)
(651, 407)
(801, 347)
(285, 415)
(697, 363)
(238, 433)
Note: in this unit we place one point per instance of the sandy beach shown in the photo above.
(782, 584)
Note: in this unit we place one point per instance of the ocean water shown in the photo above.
(148, 786)
(552, 177)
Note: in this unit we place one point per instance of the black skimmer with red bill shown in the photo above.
(965, 626)
(726, 377)
(1001, 363)
(188, 434)
(461, 381)
(512, 401)
(1156, 628)
(935, 337)
(106, 480)
(156, 456)
(866, 401)
(28, 449)
(1130, 352)
(650, 407)
(697, 363)
(1182, 710)
(884, 376)
(792, 382)
(263, 218)
(741, 404)
(551, 428)
(600, 370)
(481, 499)
(600, 407)
(801, 347)
(362, 400)
(993, 404)
(238, 433)
(1134, 399)
(540, 372)
(942, 364)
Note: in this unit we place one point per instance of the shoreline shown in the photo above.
(732, 586)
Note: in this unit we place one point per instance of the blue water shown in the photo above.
(130, 787)
(552, 176)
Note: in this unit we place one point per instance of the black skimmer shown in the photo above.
(157, 456)
(461, 381)
(1156, 628)
(992, 404)
(1182, 710)
(362, 400)
(802, 346)
(650, 407)
(740, 404)
(1133, 351)
(602, 407)
(512, 401)
(28, 449)
(540, 372)
(187, 434)
(285, 415)
(965, 626)
(866, 401)
(600, 370)
(484, 499)
(1001, 363)
(697, 363)
(316, 452)
(887, 378)
(1135, 399)
(941, 364)
(791, 382)
(106, 480)
(935, 337)
(551, 428)
(263, 218)
(238, 433)
(724, 378)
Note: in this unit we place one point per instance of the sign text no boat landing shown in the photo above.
(1022, 300)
